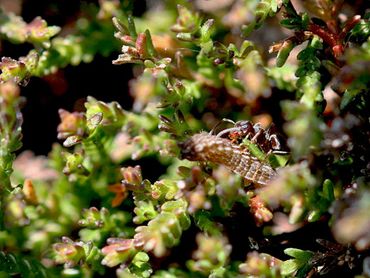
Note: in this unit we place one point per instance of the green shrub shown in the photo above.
(288, 198)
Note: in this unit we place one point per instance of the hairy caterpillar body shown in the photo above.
(210, 148)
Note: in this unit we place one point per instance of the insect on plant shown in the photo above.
(206, 147)
(267, 140)
(265, 144)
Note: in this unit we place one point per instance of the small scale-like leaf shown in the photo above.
(348, 96)
(298, 254)
(72, 140)
(314, 215)
(328, 190)
(284, 53)
(289, 267)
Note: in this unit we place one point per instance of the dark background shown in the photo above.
(69, 87)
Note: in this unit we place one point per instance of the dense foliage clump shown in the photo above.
(279, 188)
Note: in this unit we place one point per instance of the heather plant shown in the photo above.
(253, 115)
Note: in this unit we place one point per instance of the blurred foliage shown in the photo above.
(89, 207)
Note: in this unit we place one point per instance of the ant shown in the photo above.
(267, 140)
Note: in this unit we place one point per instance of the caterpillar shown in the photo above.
(211, 148)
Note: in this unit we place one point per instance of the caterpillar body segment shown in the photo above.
(211, 148)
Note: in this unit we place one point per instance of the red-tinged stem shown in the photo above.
(349, 26)
(331, 39)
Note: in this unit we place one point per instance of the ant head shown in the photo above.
(245, 127)
(243, 124)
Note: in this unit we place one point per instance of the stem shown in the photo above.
(349, 26)
(10, 138)
(331, 39)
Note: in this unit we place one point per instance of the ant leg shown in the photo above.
(258, 134)
(274, 141)
(275, 145)
(279, 152)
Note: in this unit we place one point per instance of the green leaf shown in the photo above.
(289, 267)
(25, 267)
(290, 23)
(314, 215)
(349, 96)
(328, 190)
(300, 262)
(284, 52)
(131, 27)
(264, 9)
(298, 254)
(149, 44)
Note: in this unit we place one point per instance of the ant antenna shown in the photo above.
(212, 132)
